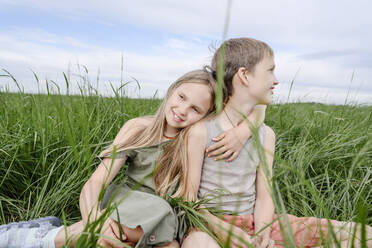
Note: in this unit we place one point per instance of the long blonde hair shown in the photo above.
(171, 169)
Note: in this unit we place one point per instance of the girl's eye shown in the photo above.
(196, 110)
(181, 96)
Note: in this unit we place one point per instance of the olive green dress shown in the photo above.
(137, 202)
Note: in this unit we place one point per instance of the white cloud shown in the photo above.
(309, 26)
(49, 55)
(321, 80)
(324, 95)
(309, 23)
(328, 40)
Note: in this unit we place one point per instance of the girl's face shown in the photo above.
(262, 81)
(188, 104)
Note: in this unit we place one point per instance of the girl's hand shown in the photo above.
(240, 239)
(266, 243)
(244, 222)
(264, 240)
(110, 235)
(229, 144)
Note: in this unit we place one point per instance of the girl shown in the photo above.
(249, 79)
(147, 219)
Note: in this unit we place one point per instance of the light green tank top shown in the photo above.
(231, 186)
(141, 165)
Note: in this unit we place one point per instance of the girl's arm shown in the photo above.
(103, 175)
(195, 152)
(229, 144)
(264, 207)
(100, 179)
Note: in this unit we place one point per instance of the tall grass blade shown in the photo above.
(292, 82)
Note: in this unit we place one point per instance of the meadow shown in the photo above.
(49, 144)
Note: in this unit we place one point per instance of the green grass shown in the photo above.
(48, 145)
(331, 148)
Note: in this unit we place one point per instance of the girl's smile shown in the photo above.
(188, 104)
(176, 117)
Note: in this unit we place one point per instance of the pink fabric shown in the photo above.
(306, 230)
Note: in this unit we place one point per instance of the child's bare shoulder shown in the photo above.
(139, 122)
(198, 129)
(198, 138)
(270, 134)
(133, 126)
(269, 131)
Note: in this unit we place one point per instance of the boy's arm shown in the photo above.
(264, 207)
(229, 144)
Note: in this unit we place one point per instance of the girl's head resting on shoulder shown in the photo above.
(189, 99)
(239, 53)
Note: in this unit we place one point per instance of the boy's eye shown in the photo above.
(181, 96)
(195, 109)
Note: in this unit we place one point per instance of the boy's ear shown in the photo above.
(243, 76)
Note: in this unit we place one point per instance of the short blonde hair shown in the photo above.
(236, 53)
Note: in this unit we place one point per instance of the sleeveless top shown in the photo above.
(231, 186)
(141, 165)
(138, 203)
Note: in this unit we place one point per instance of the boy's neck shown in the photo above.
(234, 112)
(239, 105)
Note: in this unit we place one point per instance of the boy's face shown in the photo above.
(262, 80)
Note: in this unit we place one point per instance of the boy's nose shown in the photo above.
(276, 83)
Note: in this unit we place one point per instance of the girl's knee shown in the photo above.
(173, 244)
(133, 234)
(199, 239)
(68, 234)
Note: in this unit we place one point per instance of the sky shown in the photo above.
(323, 47)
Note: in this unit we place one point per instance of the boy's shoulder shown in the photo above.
(270, 134)
(198, 129)
(269, 131)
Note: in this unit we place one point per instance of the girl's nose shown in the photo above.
(276, 83)
(182, 110)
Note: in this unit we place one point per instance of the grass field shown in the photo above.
(48, 145)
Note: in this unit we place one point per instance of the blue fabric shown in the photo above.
(27, 234)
